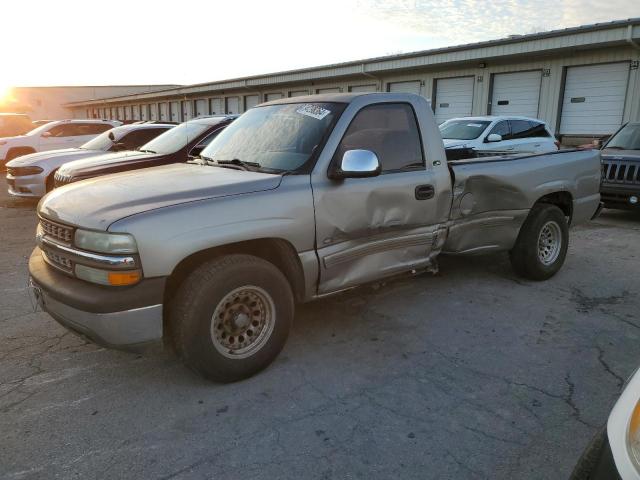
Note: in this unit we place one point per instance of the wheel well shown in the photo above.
(49, 182)
(562, 200)
(274, 250)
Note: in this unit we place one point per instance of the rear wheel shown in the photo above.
(542, 243)
(231, 317)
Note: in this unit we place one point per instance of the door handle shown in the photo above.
(425, 192)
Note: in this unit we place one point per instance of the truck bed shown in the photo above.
(492, 196)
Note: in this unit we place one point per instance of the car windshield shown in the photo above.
(628, 138)
(463, 129)
(102, 142)
(41, 129)
(275, 137)
(175, 138)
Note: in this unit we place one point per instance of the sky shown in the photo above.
(191, 41)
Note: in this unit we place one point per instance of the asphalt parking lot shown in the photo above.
(472, 373)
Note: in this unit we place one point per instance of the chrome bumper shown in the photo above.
(126, 329)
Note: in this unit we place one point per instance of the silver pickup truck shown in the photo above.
(297, 199)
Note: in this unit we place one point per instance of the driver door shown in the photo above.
(369, 228)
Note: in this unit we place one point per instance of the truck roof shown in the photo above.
(331, 97)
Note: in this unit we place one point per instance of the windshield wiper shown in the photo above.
(146, 151)
(236, 161)
(615, 147)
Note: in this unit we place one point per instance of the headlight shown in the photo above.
(108, 277)
(24, 171)
(105, 242)
(633, 436)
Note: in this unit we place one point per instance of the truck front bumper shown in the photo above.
(117, 317)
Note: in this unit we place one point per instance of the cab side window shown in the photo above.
(502, 129)
(138, 138)
(92, 128)
(527, 129)
(390, 131)
(64, 130)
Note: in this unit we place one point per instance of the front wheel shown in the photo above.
(542, 243)
(231, 317)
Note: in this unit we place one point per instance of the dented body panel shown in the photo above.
(492, 196)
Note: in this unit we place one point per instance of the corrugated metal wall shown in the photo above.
(552, 69)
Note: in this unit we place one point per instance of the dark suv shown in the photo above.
(621, 168)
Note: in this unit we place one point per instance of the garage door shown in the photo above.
(216, 106)
(153, 111)
(454, 98)
(201, 107)
(298, 93)
(187, 110)
(164, 111)
(120, 113)
(233, 105)
(362, 88)
(593, 101)
(136, 112)
(405, 87)
(174, 108)
(251, 101)
(328, 90)
(516, 93)
(272, 96)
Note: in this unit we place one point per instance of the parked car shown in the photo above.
(177, 145)
(53, 136)
(32, 175)
(614, 452)
(490, 135)
(12, 124)
(298, 199)
(621, 168)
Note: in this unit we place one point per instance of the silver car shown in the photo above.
(32, 175)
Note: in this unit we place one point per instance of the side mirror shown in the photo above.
(597, 143)
(357, 164)
(118, 147)
(494, 137)
(46, 135)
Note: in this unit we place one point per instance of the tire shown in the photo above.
(231, 317)
(530, 257)
(18, 152)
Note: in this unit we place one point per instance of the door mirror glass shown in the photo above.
(46, 135)
(358, 164)
(117, 147)
(494, 137)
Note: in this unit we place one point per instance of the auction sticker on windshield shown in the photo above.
(313, 111)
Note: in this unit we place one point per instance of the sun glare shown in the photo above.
(5, 94)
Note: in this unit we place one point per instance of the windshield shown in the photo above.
(175, 138)
(41, 129)
(102, 142)
(628, 138)
(275, 137)
(463, 129)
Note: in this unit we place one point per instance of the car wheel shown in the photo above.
(231, 317)
(542, 243)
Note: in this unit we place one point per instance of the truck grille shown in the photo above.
(620, 171)
(57, 260)
(61, 233)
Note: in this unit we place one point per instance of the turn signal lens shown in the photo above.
(108, 277)
(124, 278)
(633, 436)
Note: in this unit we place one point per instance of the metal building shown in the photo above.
(583, 81)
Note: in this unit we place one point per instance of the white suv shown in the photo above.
(32, 175)
(498, 134)
(53, 136)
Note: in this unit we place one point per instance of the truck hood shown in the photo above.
(614, 154)
(450, 142)
(64, 155)
(98, 202)
(98, 163)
